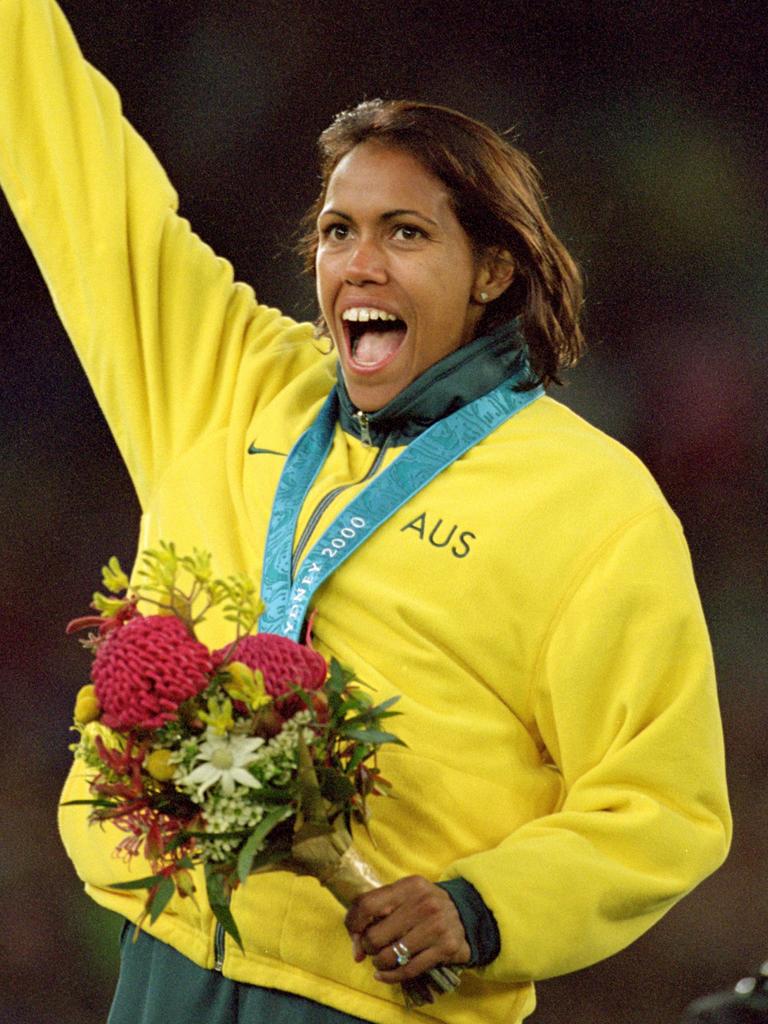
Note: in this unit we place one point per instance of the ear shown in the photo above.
(495, 274)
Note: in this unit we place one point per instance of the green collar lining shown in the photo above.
(459, 378)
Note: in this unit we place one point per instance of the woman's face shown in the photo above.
(396, 276)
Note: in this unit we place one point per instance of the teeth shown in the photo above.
(361, 314)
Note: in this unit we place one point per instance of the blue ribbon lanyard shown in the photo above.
(287, 600)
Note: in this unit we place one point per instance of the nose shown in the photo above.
(366, 264)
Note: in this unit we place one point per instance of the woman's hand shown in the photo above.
(412, 913)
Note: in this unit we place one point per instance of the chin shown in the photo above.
(370, 396)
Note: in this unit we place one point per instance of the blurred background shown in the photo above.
(648, 123)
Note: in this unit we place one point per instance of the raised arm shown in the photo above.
(157, 320)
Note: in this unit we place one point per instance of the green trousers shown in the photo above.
(157, 985)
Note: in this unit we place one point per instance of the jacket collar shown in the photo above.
(462, 376)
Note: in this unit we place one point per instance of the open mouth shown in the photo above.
(373, 336)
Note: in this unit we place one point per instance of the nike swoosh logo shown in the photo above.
(253, 450)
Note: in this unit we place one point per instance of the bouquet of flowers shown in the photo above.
(256, 756)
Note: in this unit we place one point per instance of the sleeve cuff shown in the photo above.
(479, 923)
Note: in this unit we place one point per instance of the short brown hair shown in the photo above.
(496, 194)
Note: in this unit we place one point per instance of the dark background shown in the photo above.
(648, 124)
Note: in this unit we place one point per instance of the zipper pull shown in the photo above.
(362, 422)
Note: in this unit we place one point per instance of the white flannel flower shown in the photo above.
(224, 760)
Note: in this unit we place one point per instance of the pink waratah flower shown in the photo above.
(145, 669)
(283, 662)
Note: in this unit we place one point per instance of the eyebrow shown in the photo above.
(389, 215)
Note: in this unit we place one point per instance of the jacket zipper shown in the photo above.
(218, 948)
(325, 501)
(365, 431)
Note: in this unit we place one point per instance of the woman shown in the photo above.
(515, 575)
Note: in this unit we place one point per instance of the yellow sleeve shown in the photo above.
(93, 847)
(155, 316)
(625, 705)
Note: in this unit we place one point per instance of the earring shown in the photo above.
(483, 296)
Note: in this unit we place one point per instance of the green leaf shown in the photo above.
(311, 800)
(338, 677)
(348, 706)
(334, 785)
(272, 794)
(140, 883)
(218, 897)
(379, 709)
(257, 837)
(89, 803)
(161, 898)
(334, 706)
(303, 695)
(370, 716)
(176, 841)
(273, 855)
(224, 916)
(373, 736)
(217, 835)
(359, 755)
(359, 699)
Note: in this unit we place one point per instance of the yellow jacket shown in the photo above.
(564, 745)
